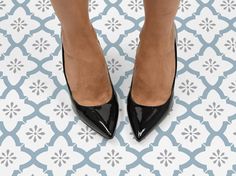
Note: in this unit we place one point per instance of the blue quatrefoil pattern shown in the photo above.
(40, 133)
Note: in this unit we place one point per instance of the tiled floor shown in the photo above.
(41, 135)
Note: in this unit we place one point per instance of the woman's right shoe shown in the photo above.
(101, 118)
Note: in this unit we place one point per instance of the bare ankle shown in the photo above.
(83, 29)
(156, 30)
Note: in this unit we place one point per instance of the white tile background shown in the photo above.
(41, 135)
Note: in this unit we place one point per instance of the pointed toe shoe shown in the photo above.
(100, 118)
(143, 118)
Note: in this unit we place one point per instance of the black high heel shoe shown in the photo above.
(144, 118)
(101, 118)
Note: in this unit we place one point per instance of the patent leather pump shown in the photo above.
(101, 118)
(142, 118)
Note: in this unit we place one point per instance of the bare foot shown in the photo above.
(154, 67)
(85, 67)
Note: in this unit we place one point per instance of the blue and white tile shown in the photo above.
(13, 110)
(38, 124)
(190, 133)
(11, 158)
(217, 157)
(35, 133)
(59, 157)
(33, 170)
(112, 158)
(193, 170)
(19, 24)
(166, 156)
(213, 110)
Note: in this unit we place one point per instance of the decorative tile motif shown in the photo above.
(41, 134)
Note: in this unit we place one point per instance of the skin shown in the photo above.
(154, 63)
(155, 57)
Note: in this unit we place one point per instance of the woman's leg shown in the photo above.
(84, 60)
(155, 60)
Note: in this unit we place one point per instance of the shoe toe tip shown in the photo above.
(107, 132)
(140, 134)
(106, 127)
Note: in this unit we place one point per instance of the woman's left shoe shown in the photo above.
(144, 118)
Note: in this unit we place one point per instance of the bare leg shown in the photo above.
(85, 64)
(155, 63)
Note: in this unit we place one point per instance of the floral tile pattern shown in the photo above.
(41, 134)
